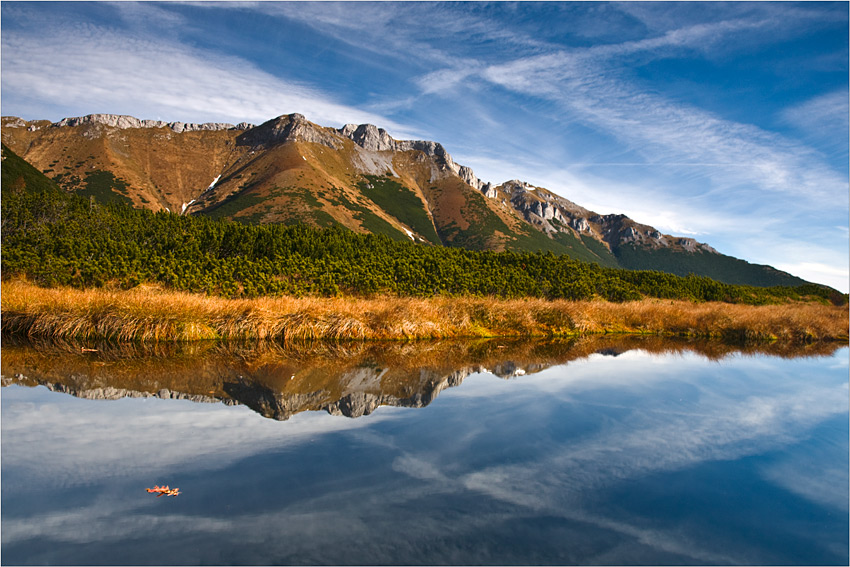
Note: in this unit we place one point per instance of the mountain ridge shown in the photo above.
(290, 170)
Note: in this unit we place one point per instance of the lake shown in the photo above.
(596, 451)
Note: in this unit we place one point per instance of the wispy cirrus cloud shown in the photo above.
(421, 33)
(824, 119)
(664, 131)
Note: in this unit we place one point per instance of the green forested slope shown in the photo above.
(716, 266)
(16, 174)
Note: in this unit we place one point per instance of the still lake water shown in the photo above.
(588, 452)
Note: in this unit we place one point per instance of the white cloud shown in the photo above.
(737, 416)
(443, 80)
(830, 111)
(836, 275)
(220, 435)
(418, 468)
(823, 121)
(98, 70)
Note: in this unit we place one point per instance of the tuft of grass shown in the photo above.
(154, 314)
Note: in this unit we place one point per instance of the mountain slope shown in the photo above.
(290, 171)
(18, 175)
(124, 159)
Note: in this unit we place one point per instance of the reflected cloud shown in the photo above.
(529, 461)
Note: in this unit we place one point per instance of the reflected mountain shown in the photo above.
(343, 378)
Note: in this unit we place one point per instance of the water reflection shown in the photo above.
(350, 379)
(598, 452)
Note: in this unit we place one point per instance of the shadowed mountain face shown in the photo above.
(347, 379)
(289, 170)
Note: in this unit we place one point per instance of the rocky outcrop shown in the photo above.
(14, 122)
(546, 211)
(123, 122)
(491, 192)
(551, 213)
(538, 206)
(467, 175)
(692, 245)
(515, 187)
(268, 402)
(358, 404)
(371, 138)
(580, 224)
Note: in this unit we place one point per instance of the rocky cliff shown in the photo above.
(124, 122)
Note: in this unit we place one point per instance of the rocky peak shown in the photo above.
(287, 128)
(515, 187)
(580, 224)
(369, 137)
(14, 122)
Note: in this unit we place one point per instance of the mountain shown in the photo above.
(290, 170)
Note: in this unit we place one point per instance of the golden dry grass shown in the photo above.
(151, 313)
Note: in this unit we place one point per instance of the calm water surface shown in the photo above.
(480, 453)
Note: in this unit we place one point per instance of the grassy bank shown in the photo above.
(149, 313)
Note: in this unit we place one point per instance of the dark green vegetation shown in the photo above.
(18, 175)
(97, 184)
(55, 238)
(585, 249)
(234, 204)
(400, 202)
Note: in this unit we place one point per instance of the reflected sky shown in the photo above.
(628, 459)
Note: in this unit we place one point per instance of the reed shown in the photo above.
(154, 314)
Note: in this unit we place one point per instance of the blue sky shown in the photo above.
(726, 122)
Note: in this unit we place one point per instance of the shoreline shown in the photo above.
(153, 314)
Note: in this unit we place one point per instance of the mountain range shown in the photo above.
(290, 170)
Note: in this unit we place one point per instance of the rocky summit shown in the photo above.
(290, 170)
